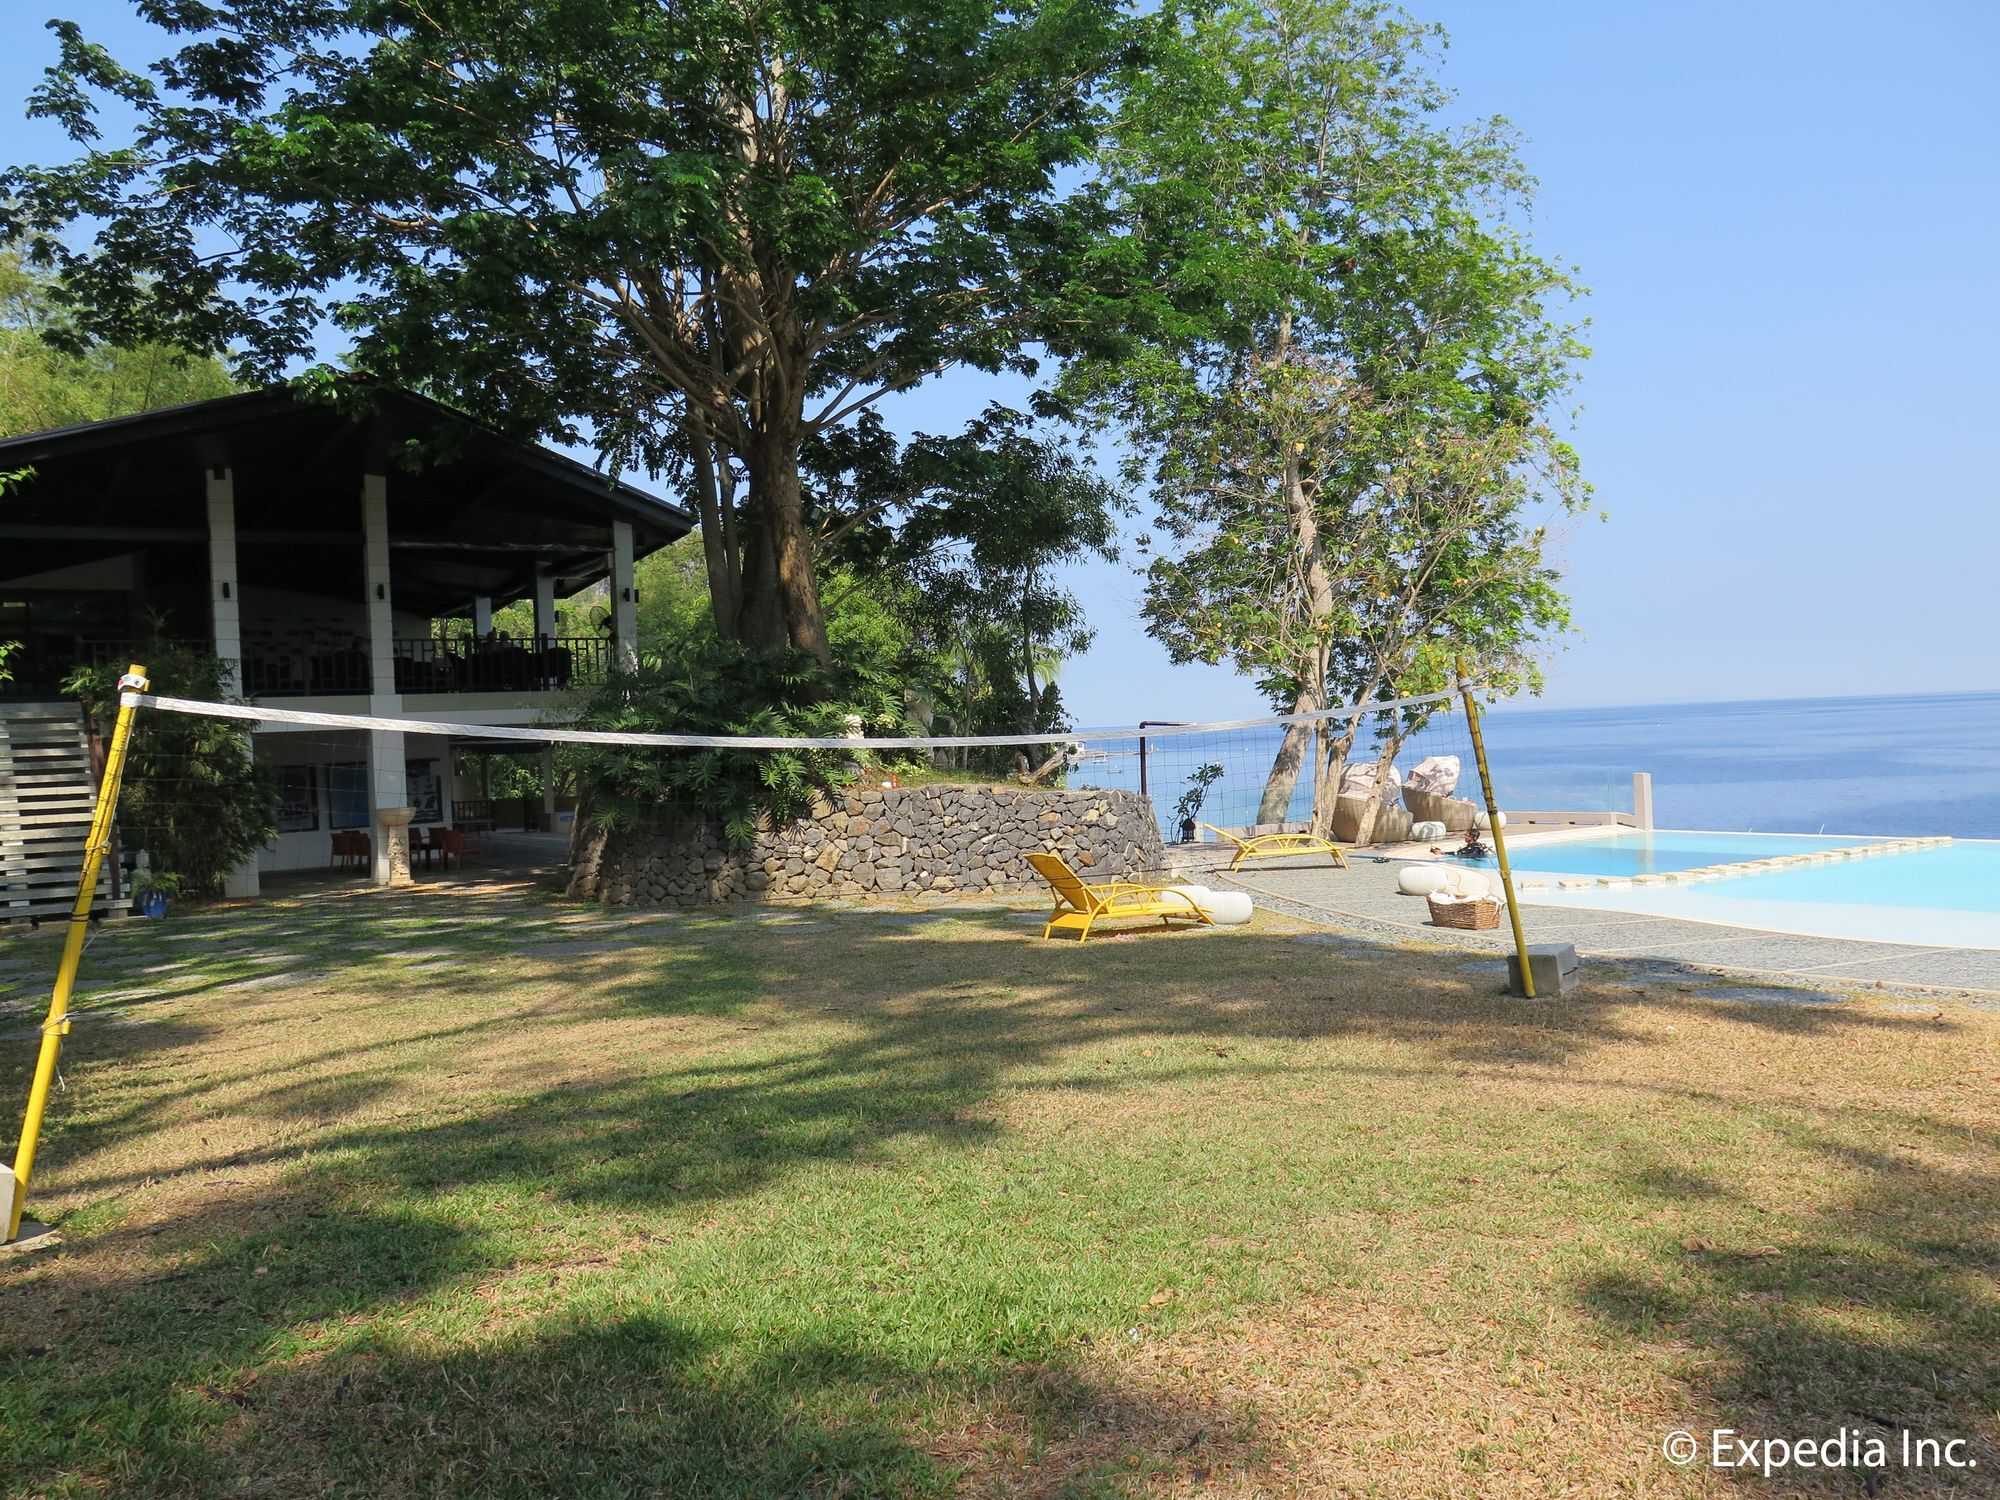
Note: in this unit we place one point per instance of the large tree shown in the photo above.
(1341, 362)
(695, 232)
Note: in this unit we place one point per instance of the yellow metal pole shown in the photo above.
(1499, 838)
(57, 1025)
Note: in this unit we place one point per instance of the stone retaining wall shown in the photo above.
(898, 841)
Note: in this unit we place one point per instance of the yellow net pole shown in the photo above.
(1499, 838)
(57, 1024)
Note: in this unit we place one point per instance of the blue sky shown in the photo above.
(1787, 216)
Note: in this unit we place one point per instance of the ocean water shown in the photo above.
(1881, 766)
(1894, 765)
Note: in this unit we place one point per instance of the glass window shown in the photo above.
(347, 794)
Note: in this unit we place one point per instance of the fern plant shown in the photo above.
(717, 687)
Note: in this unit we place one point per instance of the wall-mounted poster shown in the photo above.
(425, 790)
(298, 799)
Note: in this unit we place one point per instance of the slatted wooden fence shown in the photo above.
(46, 797)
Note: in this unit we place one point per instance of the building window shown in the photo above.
(347, 794)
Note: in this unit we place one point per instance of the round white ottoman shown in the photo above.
(1224, 908)
(1425, 832)
(1421, 880)
(1481, 821)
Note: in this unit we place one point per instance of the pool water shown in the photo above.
(1946, 896)
(1946, 877)
(1658, 853)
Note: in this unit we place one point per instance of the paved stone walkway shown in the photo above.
(1364, 898)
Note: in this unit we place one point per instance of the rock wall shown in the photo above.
(898, 841)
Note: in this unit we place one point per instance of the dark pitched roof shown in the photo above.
(391, 413)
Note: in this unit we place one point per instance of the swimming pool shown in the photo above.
(1946, 895)
(1658, 852)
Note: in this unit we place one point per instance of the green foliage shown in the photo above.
(156, 883)
(938, 565)
(701, 233)
(193, 797)
(1339, 362)
(673, 595)
(49, 377)
(718, 687)
(960, 540)
(1339, 353)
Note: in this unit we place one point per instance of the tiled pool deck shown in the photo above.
(1364, 899)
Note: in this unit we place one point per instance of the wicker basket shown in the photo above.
(1480, 914)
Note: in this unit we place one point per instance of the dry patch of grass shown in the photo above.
(705, 1205)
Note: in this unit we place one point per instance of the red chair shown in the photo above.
(448, 842)
(352, 852)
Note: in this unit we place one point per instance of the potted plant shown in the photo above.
(151, 890)
(1189, 807)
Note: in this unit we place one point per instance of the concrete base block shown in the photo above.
(1554, 966)
(33, 1236)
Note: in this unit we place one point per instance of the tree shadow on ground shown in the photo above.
(302, 1357)
(1881, 1316)
(268, 1352)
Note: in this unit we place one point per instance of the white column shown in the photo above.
(545, 605)
(381, 606)
(1642, 799)
(225, 604)
(388, 801)
(388, 797)
(548, 789)
(482, 615)
(624, 599)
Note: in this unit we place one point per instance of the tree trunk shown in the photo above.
(1283, 781)
(1392, 747)
(780, 512)
(1304, 520)
(1028, 658)
(1331, 762)
(716, 507)
(760, 622)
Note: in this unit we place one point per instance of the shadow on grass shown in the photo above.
(1881, 1316)
(274, 1353)
(300, 1358)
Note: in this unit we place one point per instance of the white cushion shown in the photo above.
(1224, 908)
(1467, 884)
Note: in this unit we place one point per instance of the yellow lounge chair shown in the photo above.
(1078, 905)
(1276, 845)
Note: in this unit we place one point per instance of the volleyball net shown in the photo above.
(1361, 773)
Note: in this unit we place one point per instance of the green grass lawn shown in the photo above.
(469, 1193)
